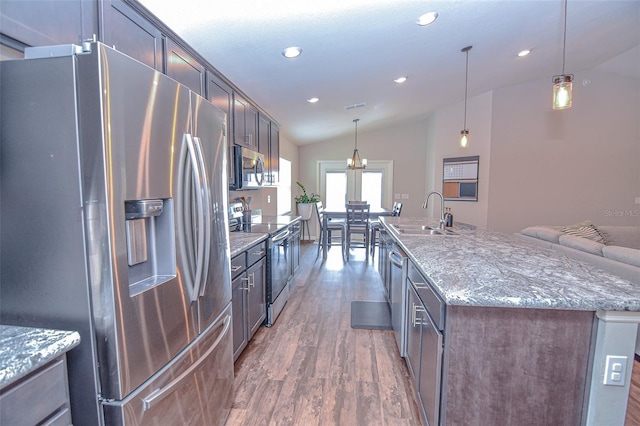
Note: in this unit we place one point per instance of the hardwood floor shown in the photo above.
(312, 368)
(633, 406)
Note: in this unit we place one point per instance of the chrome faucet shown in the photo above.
(426, 203)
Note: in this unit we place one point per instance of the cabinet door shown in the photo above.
(245, 122)
(274, 154)
(413, 327)
(221, 95)
(430, 369)
(257, 307)
(238, 313)
(184, 68)
(45, 23)
(264, 133)
(130, 33)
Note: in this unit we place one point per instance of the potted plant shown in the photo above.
(305, 202)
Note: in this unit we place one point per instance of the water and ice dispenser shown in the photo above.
(150, 243)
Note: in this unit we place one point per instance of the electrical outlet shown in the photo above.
(637, 200)
(615, 371)
(396, 196)
(405, 196)
(268, 198)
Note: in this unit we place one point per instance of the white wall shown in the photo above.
(404, 144)
(444, 135)
(561, 167)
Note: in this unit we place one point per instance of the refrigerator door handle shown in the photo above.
(206, 194)
(159, 394)
(188, 152)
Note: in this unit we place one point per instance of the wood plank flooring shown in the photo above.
(312, 368)
(633, 406)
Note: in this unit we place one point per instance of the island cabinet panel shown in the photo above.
(515, 366)
(132, 34)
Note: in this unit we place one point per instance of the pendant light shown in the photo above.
(464, 133)
(562, 84)
(354, 163)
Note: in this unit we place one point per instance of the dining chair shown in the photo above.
(358, 224)
(375, 225)
(332, 226)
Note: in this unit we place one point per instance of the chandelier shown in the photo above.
(355, 163)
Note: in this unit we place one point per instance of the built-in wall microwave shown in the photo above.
(249, 168)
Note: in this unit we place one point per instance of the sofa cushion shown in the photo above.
(622, 254)
(583, 244)
(545, 233)
(625, 236)
(585, 229)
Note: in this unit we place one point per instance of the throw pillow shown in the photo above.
(585, 229)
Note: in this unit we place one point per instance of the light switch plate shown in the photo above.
(615, 370)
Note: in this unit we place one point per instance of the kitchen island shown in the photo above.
(526, 331)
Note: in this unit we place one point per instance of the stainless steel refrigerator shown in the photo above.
(113, 223)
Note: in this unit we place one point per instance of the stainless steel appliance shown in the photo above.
(113, 206)
(249, 167)
(397, 276)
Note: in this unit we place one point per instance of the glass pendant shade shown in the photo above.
(562, 91)
(464, 138)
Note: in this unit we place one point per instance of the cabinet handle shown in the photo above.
(258, 253)
(414, 314)
(252, 280)
(235, 268)
(246, 279)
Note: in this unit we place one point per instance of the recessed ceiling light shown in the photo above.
(427, 18)
(400, 79)
(524, 52)
(313, 100)
(292, 52)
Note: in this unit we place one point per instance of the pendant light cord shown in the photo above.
(466, 84)
(564, 40)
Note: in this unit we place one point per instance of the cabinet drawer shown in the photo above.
(256, 253)
(37, 396)
(238, 265)
(432, 301)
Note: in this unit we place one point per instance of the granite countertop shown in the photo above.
(240, 241)
(478, 267)
(25, 349)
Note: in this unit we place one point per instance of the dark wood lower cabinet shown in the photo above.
(248, 299)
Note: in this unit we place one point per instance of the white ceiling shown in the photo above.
(354, 49)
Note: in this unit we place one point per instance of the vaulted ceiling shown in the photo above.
(354, 49)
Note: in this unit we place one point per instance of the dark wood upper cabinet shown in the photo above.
(184, 68)
(220, 94)
(44, 23)
(274, 154)
(132, 34)
(245, 122)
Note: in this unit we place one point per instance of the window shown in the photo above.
(373, 184)
(284, 187)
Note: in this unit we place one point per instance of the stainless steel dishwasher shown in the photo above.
(397, 263)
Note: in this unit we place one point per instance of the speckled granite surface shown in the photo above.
(25, 349)
(485, 268)
(240, 241)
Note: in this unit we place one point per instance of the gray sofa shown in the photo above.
(617, 252)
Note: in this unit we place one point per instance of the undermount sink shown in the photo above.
(420, 230)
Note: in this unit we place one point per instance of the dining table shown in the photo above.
(341, 213)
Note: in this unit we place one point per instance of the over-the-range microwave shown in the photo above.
(249, 168)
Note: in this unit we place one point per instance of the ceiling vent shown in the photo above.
(354, 106)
